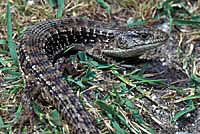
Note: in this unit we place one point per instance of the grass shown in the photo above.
(121, 100)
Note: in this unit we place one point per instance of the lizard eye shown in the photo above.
(144, 36)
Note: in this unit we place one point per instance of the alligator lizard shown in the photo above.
(45, 42)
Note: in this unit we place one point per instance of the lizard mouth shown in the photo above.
(131, 52)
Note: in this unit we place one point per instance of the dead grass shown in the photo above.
(160, 98)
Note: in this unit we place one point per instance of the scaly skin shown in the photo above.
(45, 42)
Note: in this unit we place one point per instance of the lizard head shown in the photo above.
(141, 37)
(135, 42)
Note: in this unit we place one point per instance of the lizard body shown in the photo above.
(45, 42)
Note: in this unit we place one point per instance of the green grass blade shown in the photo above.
(188, 98)
(105, 5)
(11, 45)
(18, 114)
(60, 8)
(185, 111)
(3, 42)
(52, 3)
(4, 63)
